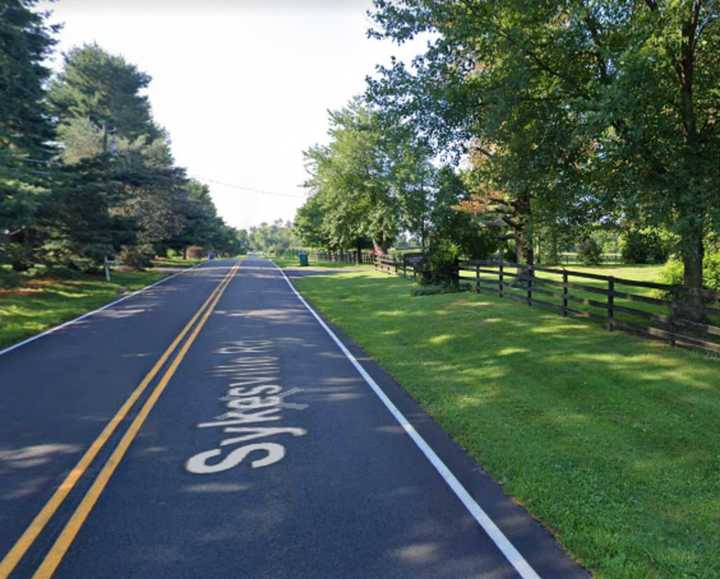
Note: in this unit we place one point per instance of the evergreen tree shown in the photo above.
(26, 39)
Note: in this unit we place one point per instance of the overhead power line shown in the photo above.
(252, 189)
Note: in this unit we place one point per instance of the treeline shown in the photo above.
(531, 127)
(85, 171)
(272, 238)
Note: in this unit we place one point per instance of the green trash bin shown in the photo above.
(303, 258)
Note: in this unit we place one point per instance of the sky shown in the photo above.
(242, 86)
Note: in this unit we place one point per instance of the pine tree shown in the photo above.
(26, 129)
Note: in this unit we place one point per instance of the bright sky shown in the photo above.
(242, 86)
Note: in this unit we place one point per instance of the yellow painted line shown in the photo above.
(13, 556)
(73, 526)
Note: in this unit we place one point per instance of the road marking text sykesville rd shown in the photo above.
(21, 546)
(72, 528)
(254, 397)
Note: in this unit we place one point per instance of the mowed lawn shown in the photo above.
(612, 441)
(43, 303)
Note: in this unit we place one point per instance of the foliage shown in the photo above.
(672, 272)
(309, 220)
(644, 246)
(590, 252)
(352, 178)
(112, 185)
(473, 95)
(273, 238)
(137, 256)
(474, 240)
(106, 92)
(537, 94)
(440, 264)
(26, 130)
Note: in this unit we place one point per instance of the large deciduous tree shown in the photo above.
(471, 95)
(614, 101)
(657, 117)
(352, 176)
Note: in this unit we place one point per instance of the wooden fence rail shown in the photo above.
(643, 308)
(348, 257)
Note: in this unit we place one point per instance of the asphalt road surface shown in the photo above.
(212, 426)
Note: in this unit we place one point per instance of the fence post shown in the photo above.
(529, 284)
(611, 303)
(565, 292)
(477, 278)
(501, 278)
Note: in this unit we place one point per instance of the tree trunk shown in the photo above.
(524, 249)
(690, 305)
(524, 240)
(554, 256)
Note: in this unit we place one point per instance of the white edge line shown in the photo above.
(92, 313)
(501, 541)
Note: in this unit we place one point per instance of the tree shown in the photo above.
(102, 113)
(661, 147)
(78, 226)
(476, 239)
(106, 91)
(273, 238)
(26, 129)
(556, 77)
(474, 97)
(353, 178)
(309, 223)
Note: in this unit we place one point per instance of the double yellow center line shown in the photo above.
(71, 529)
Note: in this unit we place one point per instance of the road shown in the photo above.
(213, 426)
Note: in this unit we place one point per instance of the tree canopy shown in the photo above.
(85, 171)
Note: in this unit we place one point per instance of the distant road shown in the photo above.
(213, 427)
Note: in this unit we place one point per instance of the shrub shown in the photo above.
(440, 265)
(590, 252)
(137, 256)
(672, 272)
(9, 279)
(643, 246)
(20, 256)
(509, 253)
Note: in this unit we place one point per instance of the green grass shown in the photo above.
(175, 262)
(610, 440)
(293, 261)
(648, 273)
(636, 272)
(43, 303)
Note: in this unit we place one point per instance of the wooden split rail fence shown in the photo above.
(643, 308)
(404, 266)
(349, 257)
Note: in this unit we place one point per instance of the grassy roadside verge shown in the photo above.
(176, 262)
(43, 303)
(612, 441)
(286, 261)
